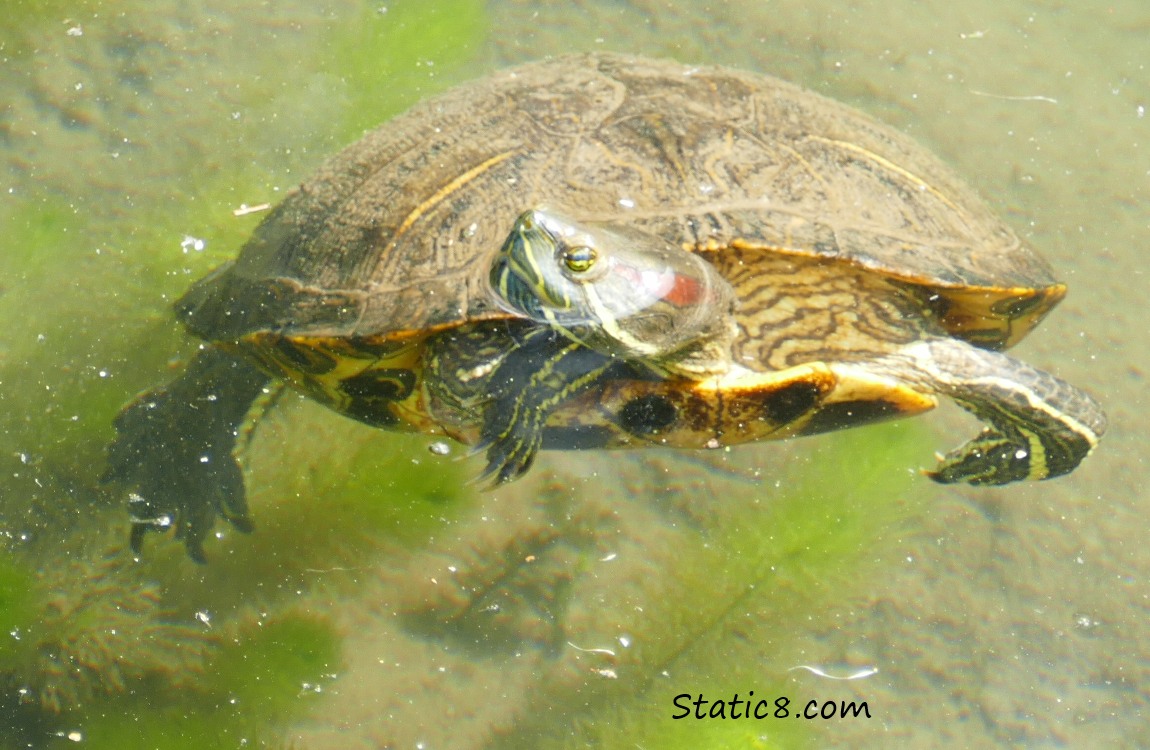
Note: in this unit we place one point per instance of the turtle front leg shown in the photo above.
(173, 449)
(509, 377)
(530, 383)
(1038, 426)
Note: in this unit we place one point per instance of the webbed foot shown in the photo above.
(990, 458)
(1037, 426)
(173, 450)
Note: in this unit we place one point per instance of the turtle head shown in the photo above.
(616, 289)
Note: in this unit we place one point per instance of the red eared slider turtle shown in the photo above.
(776, 264)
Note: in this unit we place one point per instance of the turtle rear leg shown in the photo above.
(174, 450)
(1038, 426)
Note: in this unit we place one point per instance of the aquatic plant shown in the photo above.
(266, 669)
(89, 627)
(97, 246)
(726, 600)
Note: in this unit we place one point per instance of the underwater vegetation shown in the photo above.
(612, 582)
(88, 628)
(720, 608)
(115, 205)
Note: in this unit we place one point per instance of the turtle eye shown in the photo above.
(580, 259)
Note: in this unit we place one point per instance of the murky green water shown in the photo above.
(385, 602)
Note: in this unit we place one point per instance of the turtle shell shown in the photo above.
(394, 236)
(858, 262)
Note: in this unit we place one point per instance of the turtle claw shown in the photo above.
(176, 484)
(509, 456)
(509, 459)
(173, 450)
(145, 520)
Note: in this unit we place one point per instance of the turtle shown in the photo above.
(794, 267)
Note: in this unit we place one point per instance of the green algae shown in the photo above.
(721, 616)
(19, 607)
(275, 662)
(271, 670)
(26, 20)
(88, 277)
(391, 62)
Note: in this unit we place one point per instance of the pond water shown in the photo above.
(385, 601)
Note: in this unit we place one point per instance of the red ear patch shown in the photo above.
(685, 290)
(673, 288)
